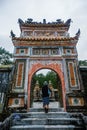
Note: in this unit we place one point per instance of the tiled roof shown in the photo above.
(43, 38)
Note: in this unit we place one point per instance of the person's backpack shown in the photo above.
(49, 92)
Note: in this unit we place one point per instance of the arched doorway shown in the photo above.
(54, 84)
(55, 67)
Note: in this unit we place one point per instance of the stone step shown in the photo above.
(50, 110)
(45, 115)
(46, 121)
(55, 119)
(50, 121)
(46, 127)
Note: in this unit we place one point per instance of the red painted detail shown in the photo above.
(55, 67)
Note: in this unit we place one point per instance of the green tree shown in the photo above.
(50, 76)
(40, 78)
(5, 57)
(83, 62)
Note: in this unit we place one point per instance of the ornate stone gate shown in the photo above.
(45, 45)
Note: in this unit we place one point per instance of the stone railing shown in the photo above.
(82, 117)
(5, 125)
(14, 118)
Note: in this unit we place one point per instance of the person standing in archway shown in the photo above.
(45, 96)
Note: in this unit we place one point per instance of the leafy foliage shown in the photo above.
(83, 62)
(5, 57)
(50, 76)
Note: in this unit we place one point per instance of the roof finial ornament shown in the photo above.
(68, 22)
(20, 21)
(12, 34)
(29, 20)
(59, 21)
(44, 21)
(78, 33)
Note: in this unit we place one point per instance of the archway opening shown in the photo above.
(54, 82)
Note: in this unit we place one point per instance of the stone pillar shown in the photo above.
(65, 76)
(26, 80)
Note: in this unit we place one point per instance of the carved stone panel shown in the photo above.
(45, 51)
(45, 63)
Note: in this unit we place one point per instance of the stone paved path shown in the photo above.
(51, 105)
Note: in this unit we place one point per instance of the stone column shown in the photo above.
(66, 81)
(65, 76)
(26, 80)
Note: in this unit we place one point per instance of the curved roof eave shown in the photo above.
(44, 38)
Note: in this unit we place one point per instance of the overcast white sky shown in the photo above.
(11, 10)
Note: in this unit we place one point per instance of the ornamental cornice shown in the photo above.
(44, 38)
(30, 23)
(41, 58)
(68, 42)
(22, 44)
(61, 26)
